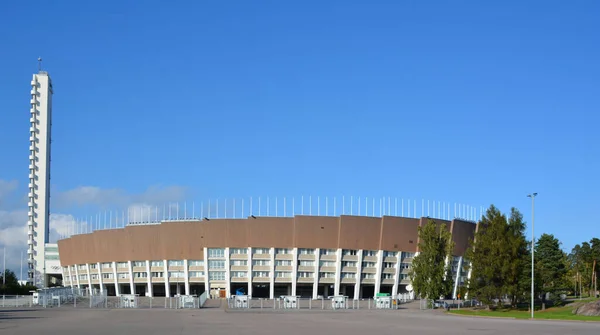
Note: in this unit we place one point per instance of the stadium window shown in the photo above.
(216, 265)
(239, 262)
(216, 253)
(238, 251)
(259, 251)
(175, 263)
(216, 275)
(195, 263)
(196, 274)
(261, 262)
(139, 263)
(157, 263)
(176, 274)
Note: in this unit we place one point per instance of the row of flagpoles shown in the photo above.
(242, 208)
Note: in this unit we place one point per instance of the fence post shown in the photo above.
(74, 301)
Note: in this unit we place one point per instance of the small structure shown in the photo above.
(240, 301)
(289, 301)
(339, 302)
(128, 301)
(186, 301)
(383, 301)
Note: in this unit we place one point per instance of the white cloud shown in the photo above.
(105, 198)
(13, 221)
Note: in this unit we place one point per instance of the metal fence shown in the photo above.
(298, 303)
(75, 298)
(16, 301)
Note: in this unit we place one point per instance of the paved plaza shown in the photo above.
(217, 321)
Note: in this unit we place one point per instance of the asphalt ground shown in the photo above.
(289, 322)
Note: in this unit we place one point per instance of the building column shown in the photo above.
(187, 276)
(468, 278)
(378, 273)
(77, 276)
(100, 277)
(115, 279)
(131, 285)
(458, 271)
(70, 276)
(397, 273)
(227, 273)
(166, 277)
(206, 281)
(149, 292)
(272, 273)
(294, 271)
(249, 272)
(89, 277)
(316, 274)
(338, 272)
(358, 275)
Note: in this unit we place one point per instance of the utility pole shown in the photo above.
(532, 196)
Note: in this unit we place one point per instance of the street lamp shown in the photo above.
(532, 196)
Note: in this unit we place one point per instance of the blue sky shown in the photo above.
(476, 102)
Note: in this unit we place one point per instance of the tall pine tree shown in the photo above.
(517, 260)
(488, 255)
(430, 273)
(550, 266)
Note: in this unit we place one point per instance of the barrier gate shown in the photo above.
(240, 301)
(128, 301)
(339, 302)
(187, 301)
(290, 301)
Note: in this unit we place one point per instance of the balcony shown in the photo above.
(33, 91)
(33, 101)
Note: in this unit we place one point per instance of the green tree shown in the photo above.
(517, 261)
(11, 285)
(430, 273)
(488, 255)
(550, 266)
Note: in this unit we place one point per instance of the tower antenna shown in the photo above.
(39, 64)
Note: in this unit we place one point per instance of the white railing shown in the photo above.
(144, 214)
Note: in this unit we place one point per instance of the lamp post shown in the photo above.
(532, 196)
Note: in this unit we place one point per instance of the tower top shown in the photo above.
(39, 64)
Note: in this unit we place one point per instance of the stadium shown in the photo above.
(357, 252)
(260, 256)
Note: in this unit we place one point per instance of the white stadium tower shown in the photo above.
(44, 264)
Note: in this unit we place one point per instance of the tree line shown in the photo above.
(9, 285)
(499, 262)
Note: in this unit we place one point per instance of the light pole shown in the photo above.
(532, 196)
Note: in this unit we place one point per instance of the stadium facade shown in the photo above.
(303, 255)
